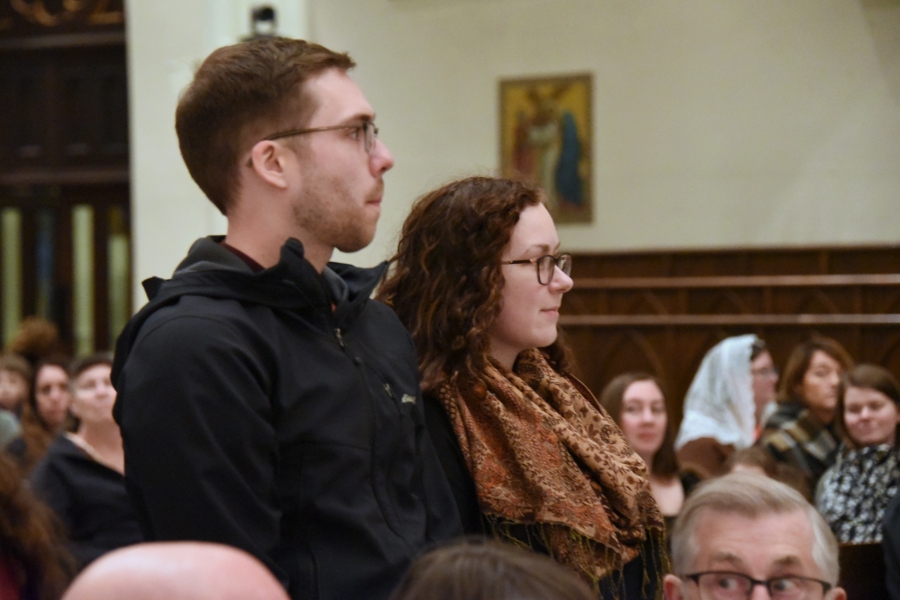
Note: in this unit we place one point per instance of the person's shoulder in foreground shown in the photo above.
(265, 401)
(744, 531)
(176, 571)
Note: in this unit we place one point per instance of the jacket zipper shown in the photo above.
(339, 336)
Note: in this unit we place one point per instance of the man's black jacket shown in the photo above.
(280, 413)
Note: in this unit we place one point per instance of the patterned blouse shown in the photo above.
(853, 494)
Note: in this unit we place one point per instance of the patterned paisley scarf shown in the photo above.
(544, 454)
(854, 493)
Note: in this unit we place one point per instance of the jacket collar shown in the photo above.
(292, 284)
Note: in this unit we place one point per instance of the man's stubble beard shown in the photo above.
(322, 211)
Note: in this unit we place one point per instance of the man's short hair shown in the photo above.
(239, 95)
(750, 495)
(80, 365)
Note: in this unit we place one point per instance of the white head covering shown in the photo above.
(719, 403)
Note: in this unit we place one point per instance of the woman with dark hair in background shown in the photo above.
(801, 431)
(636, 402)
(82, 476)
(45, 414)
(529, 452)
(853, 493)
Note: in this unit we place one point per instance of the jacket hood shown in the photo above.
(212, 271)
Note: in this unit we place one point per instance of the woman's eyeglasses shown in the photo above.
(546, 265)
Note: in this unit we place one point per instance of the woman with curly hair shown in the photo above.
(531, 455)
(34, 564)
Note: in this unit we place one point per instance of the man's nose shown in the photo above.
(760, 592)
(381, 159)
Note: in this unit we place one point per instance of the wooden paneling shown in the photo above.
(64, 142)
(39, 18)
(67, 113)
(770, 261)
(662, 312)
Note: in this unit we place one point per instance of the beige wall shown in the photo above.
(739, 123)
(167, 40)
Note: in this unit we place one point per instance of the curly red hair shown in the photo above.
(446, 280)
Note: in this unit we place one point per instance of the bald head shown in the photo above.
(176, 571)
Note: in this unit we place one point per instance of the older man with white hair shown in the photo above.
(747, 537)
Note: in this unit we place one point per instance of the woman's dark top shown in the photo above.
(628, 584)
(89, 498)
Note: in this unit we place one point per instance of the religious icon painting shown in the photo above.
(545, 138)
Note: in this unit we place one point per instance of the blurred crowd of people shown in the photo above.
(826, 428)
(62, 472)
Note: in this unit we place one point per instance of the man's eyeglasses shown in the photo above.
(546, 265)
(366, 130)
(767, 372)
(724, 585)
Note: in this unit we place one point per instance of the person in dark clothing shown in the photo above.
(530, 453)
(81, 478)
(45, 413)
(266, 402)
(890, 544)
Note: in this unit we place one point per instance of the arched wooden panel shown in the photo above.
(663, 311)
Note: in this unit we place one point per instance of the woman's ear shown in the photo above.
(268, 160)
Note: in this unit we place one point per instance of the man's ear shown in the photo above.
(837, 594)
(672, 587)
(268, 160)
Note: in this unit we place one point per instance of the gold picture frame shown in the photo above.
(546, 138)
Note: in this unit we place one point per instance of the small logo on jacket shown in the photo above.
(407, 399)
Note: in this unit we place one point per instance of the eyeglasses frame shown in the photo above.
(365, 126)
(695, 577)
(537, 266)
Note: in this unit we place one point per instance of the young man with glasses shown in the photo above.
(265, 401)
(747, 537)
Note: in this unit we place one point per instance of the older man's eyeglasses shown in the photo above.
(546, 265)
(724, 585)
(365, 130)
